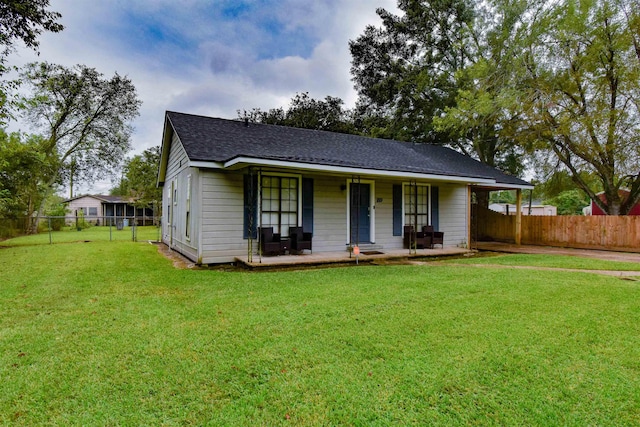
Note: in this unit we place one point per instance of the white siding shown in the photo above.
(85, 202)
(384, 216)
(453, 214)
(329, 214)
(222, 217)
(217, 207)
(174, 205)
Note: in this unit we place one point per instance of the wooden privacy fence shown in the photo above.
(590, 232)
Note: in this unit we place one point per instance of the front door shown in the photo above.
(360, 218)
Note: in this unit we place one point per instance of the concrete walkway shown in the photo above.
(532, 249)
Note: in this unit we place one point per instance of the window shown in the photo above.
(187, 232)
(279, 196)
(416, 205)
(175, 194)
(93, 211)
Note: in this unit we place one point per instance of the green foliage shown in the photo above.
(119, 336)
(307, 113)
(70, 233)
(85, 118)
(560, 181)
(405, 71)
(140, 175)
(570, 202)
(435, 73)
(560, 189)
(504, 196)
(583, 78)
(57, 210)
(25, 171)
(22, 20)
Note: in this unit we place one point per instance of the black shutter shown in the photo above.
(250, 206)
(397, 210)
(307, 205)
(434, 207)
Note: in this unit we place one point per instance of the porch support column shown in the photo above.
(469, 225)
(518, 231)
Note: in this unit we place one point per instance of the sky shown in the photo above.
(209, 57)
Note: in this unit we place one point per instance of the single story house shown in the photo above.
(224, 179)
(102, 209)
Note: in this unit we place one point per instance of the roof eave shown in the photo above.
(164, 151)
(241, 162)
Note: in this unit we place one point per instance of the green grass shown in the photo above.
(550, 261)
(93, 233)
(109, 333)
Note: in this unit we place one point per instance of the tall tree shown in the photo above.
(21, 20)
(438, 73)
(484, 121)
(24, 174)
(405, 72)
(584, 102)
(308, 113)
(85, 118)
(140, 175)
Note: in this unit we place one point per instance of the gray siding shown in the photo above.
(174, 230)
(222, 217)
(218, 216)
(384, 216)
(85, 202)
(330, 214)
(454, 214)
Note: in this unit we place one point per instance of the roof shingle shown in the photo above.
(220, 140)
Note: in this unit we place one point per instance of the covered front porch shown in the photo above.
(346, 257)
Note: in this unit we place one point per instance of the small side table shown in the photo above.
(285, 245)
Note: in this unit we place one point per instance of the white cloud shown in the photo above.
(204, 62)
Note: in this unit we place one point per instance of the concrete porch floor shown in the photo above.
(344, 257)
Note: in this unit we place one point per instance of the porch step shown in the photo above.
(367, 247)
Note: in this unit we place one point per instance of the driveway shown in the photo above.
(532, 249)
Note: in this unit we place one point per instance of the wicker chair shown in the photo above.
(436, 237)
(411, 238)
(299, 239)
(270, 242)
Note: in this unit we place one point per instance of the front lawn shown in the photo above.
(109, 333)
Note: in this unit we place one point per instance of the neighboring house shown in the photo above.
(222, 179)
(89, 207)
(594, 209)
(537, 209)
(101, 209)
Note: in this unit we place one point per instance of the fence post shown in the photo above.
(49, 223)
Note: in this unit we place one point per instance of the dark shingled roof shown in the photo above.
(220, 140)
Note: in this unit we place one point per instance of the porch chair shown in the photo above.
(299, 239)
(419, 239)
(270, 242)
(436, 237)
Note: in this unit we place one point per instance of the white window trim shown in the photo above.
(404, 214)
(277, 175)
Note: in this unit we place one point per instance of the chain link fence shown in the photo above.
(61, 229)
